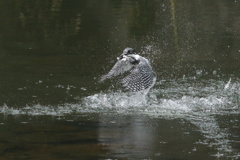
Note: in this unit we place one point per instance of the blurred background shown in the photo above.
(46, 45)
(53, 52)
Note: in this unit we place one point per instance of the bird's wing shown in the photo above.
(120, 67)
(137, 80)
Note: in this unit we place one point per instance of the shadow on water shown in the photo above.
(52, 54)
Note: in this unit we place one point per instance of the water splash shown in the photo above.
(177, 98)
(227, 85)
(197, 101)
(180, 99)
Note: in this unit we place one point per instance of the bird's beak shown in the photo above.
(121, 57)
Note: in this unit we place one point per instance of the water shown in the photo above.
(52, 54)
(190, 117)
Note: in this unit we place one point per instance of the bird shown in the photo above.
(139, 74)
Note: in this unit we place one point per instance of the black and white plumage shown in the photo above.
(140, 73)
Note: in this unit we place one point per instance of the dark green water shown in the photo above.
(53, 52)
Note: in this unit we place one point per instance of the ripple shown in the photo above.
(197, 101)
(177, 98)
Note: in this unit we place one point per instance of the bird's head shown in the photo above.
(126, 53)
(129, 53)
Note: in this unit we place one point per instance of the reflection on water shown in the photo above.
(196, 105)
(52, 53)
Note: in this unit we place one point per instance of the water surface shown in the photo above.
(52, 54)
